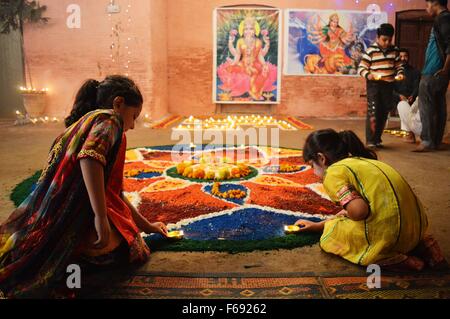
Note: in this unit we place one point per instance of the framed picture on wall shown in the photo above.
(328, 42)
(247, 50)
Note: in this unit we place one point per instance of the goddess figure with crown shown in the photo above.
(248, 72)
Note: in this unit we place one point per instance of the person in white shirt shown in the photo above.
(410, 119)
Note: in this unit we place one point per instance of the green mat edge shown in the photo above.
(236, 246)
(22, 190)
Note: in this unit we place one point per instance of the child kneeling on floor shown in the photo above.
(77, 213)
(382, 221)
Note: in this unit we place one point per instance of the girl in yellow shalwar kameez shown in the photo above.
(383, 221)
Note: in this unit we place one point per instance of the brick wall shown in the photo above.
(61, 58)
(171, 56)
(190, 62)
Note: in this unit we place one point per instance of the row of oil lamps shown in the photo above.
(397, 132)
(31, 90)
(22, 119)
(179, 234)
(232, 122)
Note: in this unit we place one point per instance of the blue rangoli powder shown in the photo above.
(147, 175)
(244, 224)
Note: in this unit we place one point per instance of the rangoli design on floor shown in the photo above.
(217, 193)
(230, 199)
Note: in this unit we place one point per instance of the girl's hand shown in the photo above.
(342, 213)
(307, 226)
(159, 228)
(371, 77)
(103, 230)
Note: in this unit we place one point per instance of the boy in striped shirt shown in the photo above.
(381, 67)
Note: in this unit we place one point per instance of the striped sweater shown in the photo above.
(378, 62)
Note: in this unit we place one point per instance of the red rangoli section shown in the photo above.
(290, 198)
(302, 178)
(169, 206)
(136, 185)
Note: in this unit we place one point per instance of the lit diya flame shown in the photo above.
(291, 229)
(175, 234)
(377, 77)
(399, 78)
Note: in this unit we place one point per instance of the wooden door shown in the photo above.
(413, 28)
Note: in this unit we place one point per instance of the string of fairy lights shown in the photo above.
(390, 4)
(120, 60)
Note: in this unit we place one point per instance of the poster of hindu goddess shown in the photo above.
(324, 42)
(247, 56)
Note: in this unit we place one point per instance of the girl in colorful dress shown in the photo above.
(77, 212)
(382, 221)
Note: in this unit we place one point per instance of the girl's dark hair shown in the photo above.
(335, 146)
(100, 95)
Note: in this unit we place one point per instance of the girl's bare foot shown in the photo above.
(429, 250)
(411, 263)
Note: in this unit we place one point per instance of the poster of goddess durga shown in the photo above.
(246, 61)
(328, 42)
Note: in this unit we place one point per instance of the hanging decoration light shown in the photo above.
(120, 38)
(128, 43)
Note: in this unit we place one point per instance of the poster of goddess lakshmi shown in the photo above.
(246, 59)
(323, 42)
